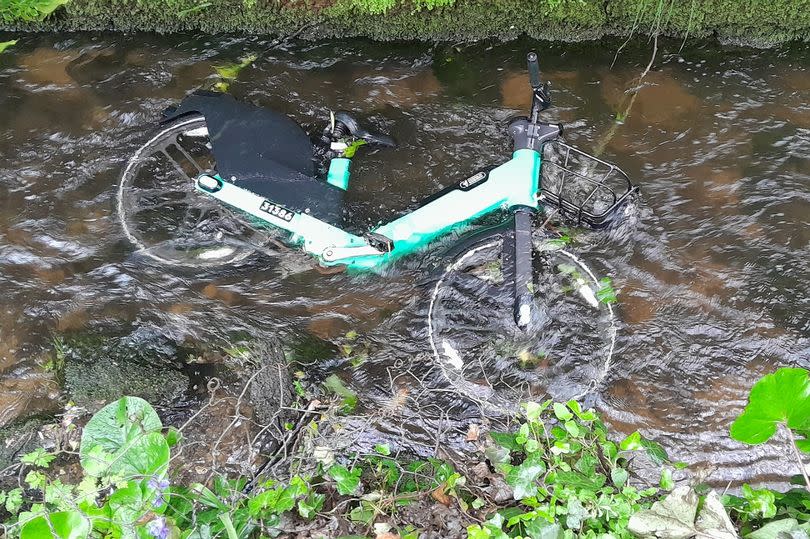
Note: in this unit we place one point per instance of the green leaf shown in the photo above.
(505, 439)
(523, 478)
(605, 292)
(347, 480)
(562, 412)
(173, 436)
(35, 479)
(636, 441)
(14, 500)
(38, 457)
(124, 439)
(6, 44)
(760, 501)
(231, 71)
(349, 397)
(779, 398)
(61, 525)
(666, 482)
(619, 477)
(383, 449)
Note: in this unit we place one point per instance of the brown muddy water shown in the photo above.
(711, 266)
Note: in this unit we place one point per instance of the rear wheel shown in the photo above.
(563, 353)
(163, 214)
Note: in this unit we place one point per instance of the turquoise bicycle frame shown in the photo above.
(512, 184)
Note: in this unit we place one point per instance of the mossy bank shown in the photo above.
(755, 22)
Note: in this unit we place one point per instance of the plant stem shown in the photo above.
(798, 457)
(226, 521)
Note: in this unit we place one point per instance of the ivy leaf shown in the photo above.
(505, 439)
(636, 441)
(619, 476)
(38, 457)
(562, 412)
(347, 480)
(383, 449)
(61, 525)
(779, 398)
(522, 478)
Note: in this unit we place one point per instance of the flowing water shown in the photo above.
(711, 265)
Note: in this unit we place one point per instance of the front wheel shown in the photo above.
(563, 352)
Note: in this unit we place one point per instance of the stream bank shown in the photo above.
(757, 23)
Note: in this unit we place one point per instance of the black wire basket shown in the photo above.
(582, 187)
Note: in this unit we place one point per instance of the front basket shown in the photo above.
(582, 187)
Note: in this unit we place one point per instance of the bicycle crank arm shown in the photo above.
(518, 259)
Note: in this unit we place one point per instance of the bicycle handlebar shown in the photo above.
(534, 70)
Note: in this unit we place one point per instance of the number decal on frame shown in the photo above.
(277, 211)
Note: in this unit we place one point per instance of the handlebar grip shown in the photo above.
(534, 70)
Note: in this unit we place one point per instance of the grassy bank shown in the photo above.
(758, 22)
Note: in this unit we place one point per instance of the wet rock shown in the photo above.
(99, 368)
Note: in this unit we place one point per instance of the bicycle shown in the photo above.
(253, 171)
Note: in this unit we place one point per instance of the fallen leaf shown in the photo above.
(473, 432)
(440, 496)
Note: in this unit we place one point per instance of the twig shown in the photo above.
(798, 457)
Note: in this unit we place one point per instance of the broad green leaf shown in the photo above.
(124, 439)
(523, 478)
(347, 480)
(779, 398)
(61, 525)
(6, 44)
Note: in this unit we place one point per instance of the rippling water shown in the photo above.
(711, 267)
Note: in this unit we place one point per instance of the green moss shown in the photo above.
(754, 21)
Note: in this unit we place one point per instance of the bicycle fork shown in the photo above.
(518, 265)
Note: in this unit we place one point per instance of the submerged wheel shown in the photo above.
(564, 353)
(164, 216)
